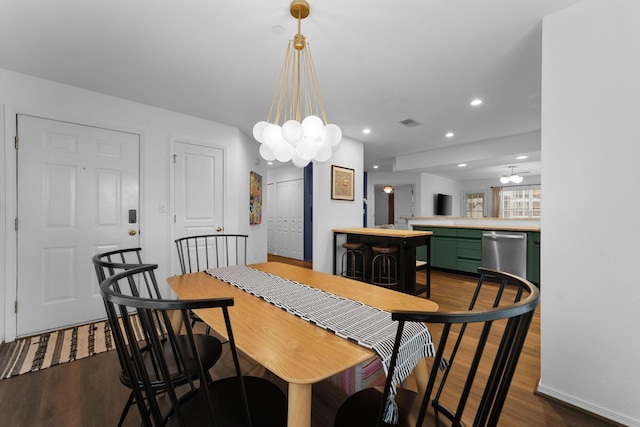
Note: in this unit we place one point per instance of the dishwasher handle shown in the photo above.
(494, 236)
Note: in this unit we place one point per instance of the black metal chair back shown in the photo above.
(143, 284)
(197, 404)
(501, 308)
(109, 263)
(199, 253)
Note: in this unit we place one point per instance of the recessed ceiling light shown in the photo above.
(269, 163)
(462, 165)
(278, 30)
(449, 134)
(375, 166)
(476, 102)
(366, 131)
(522, 157)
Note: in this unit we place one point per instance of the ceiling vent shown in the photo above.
(410, 123)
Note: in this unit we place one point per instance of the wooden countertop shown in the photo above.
(385, 232)
(481, 227)
(486, 223)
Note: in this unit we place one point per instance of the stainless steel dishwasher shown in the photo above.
(505, 251)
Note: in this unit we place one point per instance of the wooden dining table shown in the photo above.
(294, 349)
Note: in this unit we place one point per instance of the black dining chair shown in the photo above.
(210, 348)
(202, 252)
(469, 379)
(233, 401)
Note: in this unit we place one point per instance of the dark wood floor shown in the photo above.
(88, 393)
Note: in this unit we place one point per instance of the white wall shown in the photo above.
(157, 127)
(239, 182)
(329, 214)
(590, 253)
(286, 172)
(430, 185)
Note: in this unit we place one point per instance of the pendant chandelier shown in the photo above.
(514, 177)
(303, 136)
(387, 189)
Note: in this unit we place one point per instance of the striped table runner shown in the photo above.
(368, 326)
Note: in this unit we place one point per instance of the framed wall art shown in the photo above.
(341, 183)
(255, 199)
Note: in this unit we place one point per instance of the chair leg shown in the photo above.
(125, 411)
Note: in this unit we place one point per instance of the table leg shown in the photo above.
(299, 405)
(175, 317)
(335, 242)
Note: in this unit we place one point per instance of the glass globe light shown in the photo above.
(292, 131)
(272, 135)
(331, 135)
(517, 179)
(312, 126)
(299, 162)
(504, 179)
(306, 149)
(258, 130)
(324, 152)
(267, 153)
(283, 151)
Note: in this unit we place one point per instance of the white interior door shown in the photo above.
(198, 190)
(283, 245)
(271, 218)
(296, 215)
(76, 187)
(290, 219)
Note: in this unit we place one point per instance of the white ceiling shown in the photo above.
(378, 62)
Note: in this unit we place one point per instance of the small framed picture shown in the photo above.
(341, 183)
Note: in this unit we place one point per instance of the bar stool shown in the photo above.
(354, 253)
(384, 266)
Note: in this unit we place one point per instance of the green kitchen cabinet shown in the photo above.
(454, 248)
(469, 251)
(460, 249)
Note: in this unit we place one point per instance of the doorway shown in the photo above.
(389, 207)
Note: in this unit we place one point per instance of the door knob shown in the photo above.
(132, 232)
(218, 229)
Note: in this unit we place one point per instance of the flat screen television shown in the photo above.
(443, 204)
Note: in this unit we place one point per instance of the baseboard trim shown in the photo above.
(607, 417)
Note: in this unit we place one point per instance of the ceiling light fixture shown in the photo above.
(514, 177)
(366, 131)
(387, 189)
(449, 134)
(522, 157)
(298, 140)
(476, 102)
(462, 165)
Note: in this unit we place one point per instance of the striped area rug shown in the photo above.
(39, 352)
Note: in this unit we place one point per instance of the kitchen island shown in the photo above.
(406, 240)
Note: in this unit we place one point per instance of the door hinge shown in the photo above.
(174, 219)
(15, 225)
(16, 141)
(175, 159)
(15, 307)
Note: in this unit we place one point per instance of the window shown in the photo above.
(520, 203)
(475, 205)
